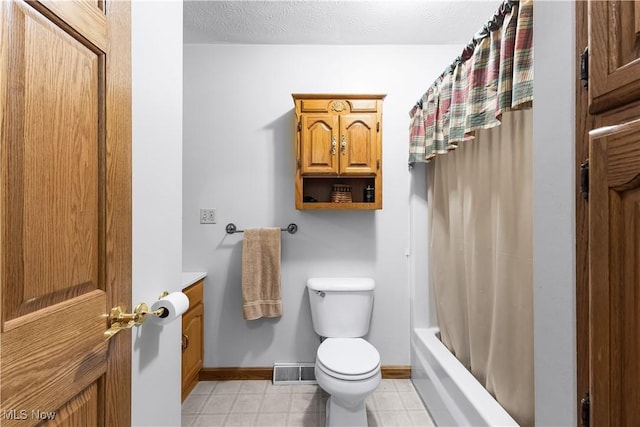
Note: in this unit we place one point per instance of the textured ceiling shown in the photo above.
(335, 22)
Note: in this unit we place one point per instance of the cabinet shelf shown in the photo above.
(341, 206)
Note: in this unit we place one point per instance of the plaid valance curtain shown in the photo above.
(494, 74)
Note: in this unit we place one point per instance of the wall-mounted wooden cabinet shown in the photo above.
(338, 145)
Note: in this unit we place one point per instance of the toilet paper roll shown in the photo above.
(174, 304)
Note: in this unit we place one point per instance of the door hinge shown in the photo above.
(378, 164)
(298, 164)
(378, 127)
(584, 67)
(299, 126)
(584, 179)
(585, 410)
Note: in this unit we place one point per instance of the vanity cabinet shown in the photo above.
(192, 338)
(338, 145)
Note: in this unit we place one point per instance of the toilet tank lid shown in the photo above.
(341, 284)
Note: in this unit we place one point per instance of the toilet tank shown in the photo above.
(341, 307)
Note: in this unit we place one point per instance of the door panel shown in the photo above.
(68, 355)
(319, 144)
(81, 410)
(82, 16)
(358, 155)
(65, 211)
(614, 252)
(614, 49)
(54, 167)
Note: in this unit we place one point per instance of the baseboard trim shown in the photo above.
(236, 373)
(396, 372)
(266, 373)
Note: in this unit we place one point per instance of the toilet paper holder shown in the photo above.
(120, 320)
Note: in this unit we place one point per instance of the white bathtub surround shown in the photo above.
(453, 396)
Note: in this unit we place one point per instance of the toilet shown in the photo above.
(347, 367)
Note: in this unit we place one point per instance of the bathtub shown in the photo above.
(452, 395)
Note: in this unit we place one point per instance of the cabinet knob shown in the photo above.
(333, 145)
(343, 145)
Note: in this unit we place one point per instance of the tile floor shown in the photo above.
(259, 403)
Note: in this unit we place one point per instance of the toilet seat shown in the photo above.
(349, 359)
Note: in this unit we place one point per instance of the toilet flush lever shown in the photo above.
(322, 294)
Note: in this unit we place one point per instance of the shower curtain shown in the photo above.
(474, 126)
(480, 226)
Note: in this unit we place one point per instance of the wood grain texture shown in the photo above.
(59, 230)
(193, 336)
(319, 150)
(83, 408)
(342, 206)
(614, 55)
(599, 310)
(584, 123)
(51, 164)
(117, 383)
(615, 273)
(359, 155)
(192, 353)
(636, 10)
(68, 355)
(399, 372)
(84, 18)
(266, 373)
(236, 373)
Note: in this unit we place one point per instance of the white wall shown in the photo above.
(554, 214)
(238, 158)
(157, 205)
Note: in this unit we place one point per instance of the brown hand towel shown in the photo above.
(261, 273)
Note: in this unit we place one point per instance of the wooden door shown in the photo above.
(358, 144)
(319, 144)
(65, 211)
(614, 50)
(614, 249)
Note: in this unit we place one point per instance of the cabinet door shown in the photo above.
(192, 344)
(614, 288)
(614, 62)
(358, 144)
(319, 144)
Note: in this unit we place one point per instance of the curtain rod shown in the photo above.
(493, 24)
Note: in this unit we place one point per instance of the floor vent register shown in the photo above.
(293, 373)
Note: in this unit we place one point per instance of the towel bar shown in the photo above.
(231, 228)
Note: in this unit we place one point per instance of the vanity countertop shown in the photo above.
(191, 277)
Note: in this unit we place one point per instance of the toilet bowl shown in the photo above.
(349, 370)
